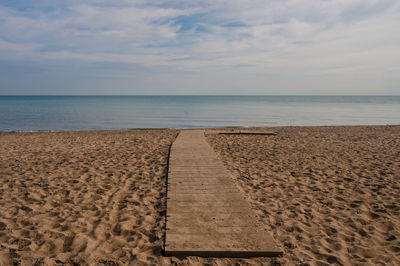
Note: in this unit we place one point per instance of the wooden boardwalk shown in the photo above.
(206, 213)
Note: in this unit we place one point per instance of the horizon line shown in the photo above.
(24, 95)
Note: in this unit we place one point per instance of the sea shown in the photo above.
(69, 113)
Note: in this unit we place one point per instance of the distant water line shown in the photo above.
(64, 113)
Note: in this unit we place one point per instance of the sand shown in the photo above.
(83, 197)
(327, 194)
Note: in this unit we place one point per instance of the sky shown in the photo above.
(269, 47)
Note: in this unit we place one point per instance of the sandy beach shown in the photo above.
(328, 195)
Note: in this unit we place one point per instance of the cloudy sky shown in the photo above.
(200, 47)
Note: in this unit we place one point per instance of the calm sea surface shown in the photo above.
(59, 113)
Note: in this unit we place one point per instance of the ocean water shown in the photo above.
(60, 113)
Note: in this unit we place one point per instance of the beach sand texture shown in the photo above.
(327, 194)
(94, 197)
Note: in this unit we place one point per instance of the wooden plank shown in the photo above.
(248, 133)
(207, 215)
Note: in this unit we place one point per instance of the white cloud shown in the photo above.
(342, 37)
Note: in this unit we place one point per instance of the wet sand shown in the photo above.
(327, 194)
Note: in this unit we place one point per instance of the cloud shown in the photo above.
(314, 37)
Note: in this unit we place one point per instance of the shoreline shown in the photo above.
(328, 194)
(194, 128)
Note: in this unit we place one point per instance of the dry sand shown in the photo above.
(94, 197)
(327, 194)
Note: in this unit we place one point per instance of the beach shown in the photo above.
(328, 195)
